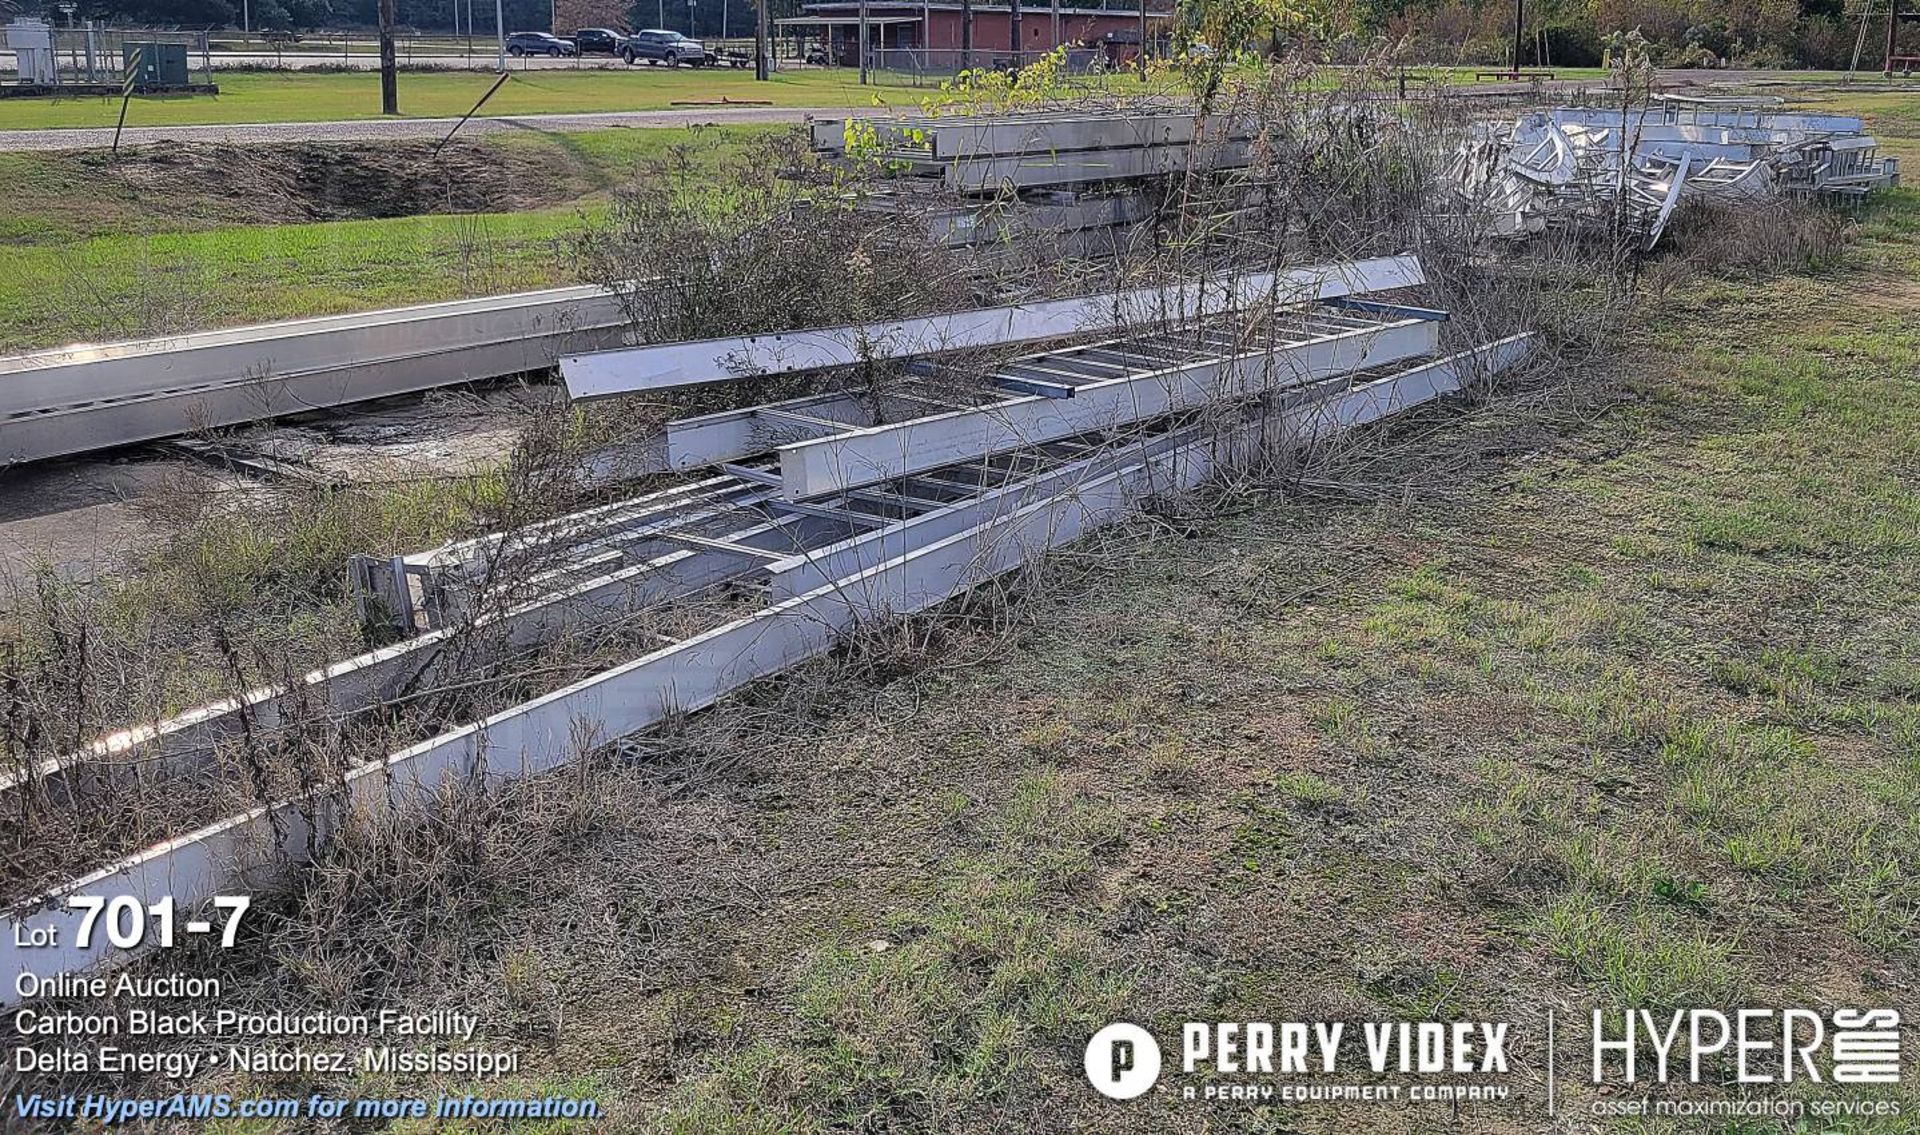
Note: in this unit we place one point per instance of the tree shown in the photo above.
(389, 71)
(1264, 26)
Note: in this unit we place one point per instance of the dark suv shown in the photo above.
(539, 43)
(604, 41)
(671, 48)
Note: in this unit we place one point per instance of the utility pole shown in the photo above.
(762, 70)
(389, 76)
(500, 26)
(1519, 18)
(1893, 35)
(1056, 25)
(863, 42)
(1143, 40)
(1013, 31)
(966, 35)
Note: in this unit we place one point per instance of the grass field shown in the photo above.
(293, 96)
(89, 253)
(1631, 721)
(1616, 705)
(114, 287)
(288, 96)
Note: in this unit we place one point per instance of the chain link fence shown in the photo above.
(33, 54)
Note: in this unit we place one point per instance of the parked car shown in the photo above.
(539, 43)
(657, 46)
(604, 41)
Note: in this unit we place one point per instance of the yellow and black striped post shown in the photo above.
(130, 81)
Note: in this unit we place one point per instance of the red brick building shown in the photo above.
(932, 31)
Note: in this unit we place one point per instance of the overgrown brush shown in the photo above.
(1755, 239)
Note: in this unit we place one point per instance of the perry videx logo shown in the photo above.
(1452, 1061)
(1308, 1061)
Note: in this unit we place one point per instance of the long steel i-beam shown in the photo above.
(607, 374)
(87, 397)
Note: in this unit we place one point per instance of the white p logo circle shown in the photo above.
(1122, 1061)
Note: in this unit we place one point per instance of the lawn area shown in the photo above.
(90, 252)
(126, 286)
(1620, 711)
(290, 96)
(1631, 722)
(1604, 698)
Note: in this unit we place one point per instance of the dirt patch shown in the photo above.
(332, 181)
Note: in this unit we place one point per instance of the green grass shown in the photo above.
(264, 96)
(1629, 721)
(289, 96)
(114, 287)
(117, 260)
(1633, 729)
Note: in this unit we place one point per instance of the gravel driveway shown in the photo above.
(375, 129)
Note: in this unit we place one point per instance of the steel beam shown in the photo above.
(253, 850)
(1030, 171)
(945, 139)
(880, 453)
(1369, 402)
(89, 397)
(798, 574)
(190, 740)
(248, 852)
(608, 374)
(709, 439)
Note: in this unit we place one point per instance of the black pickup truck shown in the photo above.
(598, 41)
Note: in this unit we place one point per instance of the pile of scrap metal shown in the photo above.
(1570, 166)
(1076, 176)
(799, 521)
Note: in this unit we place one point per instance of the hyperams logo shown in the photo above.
(1649, 1064)
(1860, 1046)
(1310, 1061)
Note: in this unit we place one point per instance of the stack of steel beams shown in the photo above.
(1075, 175)
(811, 516)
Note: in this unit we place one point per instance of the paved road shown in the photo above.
(375, 129)
(483, 59)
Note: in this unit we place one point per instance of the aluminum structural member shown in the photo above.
(255, 848)
(97, 396)
(607, 374)
(1568, 165)
(616, 559)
